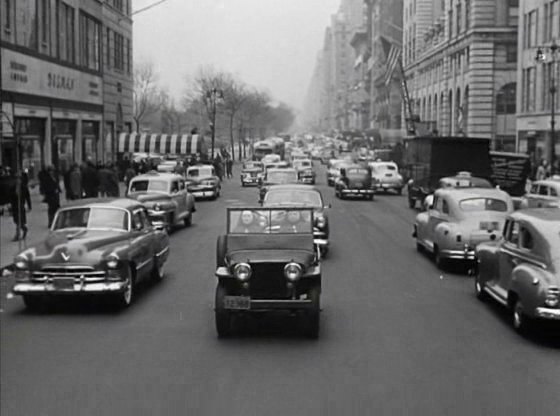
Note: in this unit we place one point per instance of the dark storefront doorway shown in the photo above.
(64, 133)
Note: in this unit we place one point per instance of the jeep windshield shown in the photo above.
(293, 197)
(270, 221)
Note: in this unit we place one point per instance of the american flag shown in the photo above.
(393, 59)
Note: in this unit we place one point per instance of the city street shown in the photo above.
(398, 337)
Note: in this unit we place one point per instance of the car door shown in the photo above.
(507, 260)
(178, 196)
(142, 251)
(437, 215)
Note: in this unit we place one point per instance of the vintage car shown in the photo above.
(304, 168)
(354, 181)
(543, 193)
(303, 196)
(165, 196)
(267, 262)
(202, 181)
(276, 176)
(333, 170)
(458, 220)
(386, 176)
(94, 247)
(521, 270)
(251, 173)
(272, 158)
(462, 179)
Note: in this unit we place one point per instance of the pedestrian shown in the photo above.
(103, 174)
(75, 181)
(542, 171)
(129, 173)
(229, 167)
(90, 181)
(112, 181)
(19, 197)
(218, 167)
(51, 187)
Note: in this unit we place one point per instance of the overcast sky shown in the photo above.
(270, 44)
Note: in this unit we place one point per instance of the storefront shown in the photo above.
(57, 112)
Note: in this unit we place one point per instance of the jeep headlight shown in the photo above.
(21, 263)
(112, 261)
(242, 271)
(293, 271)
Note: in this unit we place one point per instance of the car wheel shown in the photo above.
(188, 220)
(158, 270)
(479, 288)
(312, 315)
(33, 303)
(411, 203)
(124, 299)
(223, 316)
(221, 249)
(520, 321)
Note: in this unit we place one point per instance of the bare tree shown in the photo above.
(235, 94)
(147, 97)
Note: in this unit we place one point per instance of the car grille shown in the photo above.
(68, 271)
(268, 281)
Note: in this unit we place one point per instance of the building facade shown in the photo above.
(460, 59)
(539, 27)
(53, 81)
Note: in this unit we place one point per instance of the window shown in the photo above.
(45, 20)
(65, 30)
(26, 28)
(137, 221)
(553, 192)
(513, 233)
(128, 57)
(529, 89)
(7, 14)
(108, 47)
(543, 190)
(90, 30)
(458, 16)
(511, 53)
(467, 14)
(119, 51)
(505, 100)
(450, 23)
(445, 207)
(526, 240)
(554, 30)
(531, 29)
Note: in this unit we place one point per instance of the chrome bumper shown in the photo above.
(203, 193)
(458, 254)
(548, 313)
(358, 191)
(268, 304)
(84, 288)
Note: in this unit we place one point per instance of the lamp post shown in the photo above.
(212, 96)
(541, 57)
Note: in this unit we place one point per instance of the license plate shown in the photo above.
(63, 283)
(237, 302)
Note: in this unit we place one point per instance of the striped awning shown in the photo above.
(160, 143)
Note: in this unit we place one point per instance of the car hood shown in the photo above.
(150, 197)
(76, 246)
(304, 257)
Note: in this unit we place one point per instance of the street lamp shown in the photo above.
(541, 57)
(212, 97)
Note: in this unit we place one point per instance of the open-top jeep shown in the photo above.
(266, 262)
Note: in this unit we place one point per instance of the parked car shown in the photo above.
(458, 220)
(165, 196)
(252, 173)
(275, 176)
(521, 270)
(93, 248)
(543, 193)
(303, 196)
(354, 181)
(267, 262)
(305, 171)
(202, 181)
(386, 176)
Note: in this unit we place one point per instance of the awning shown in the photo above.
(161, 143)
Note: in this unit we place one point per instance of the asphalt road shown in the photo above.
(398, 337)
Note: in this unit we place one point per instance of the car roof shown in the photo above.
(292, 186)
(472, 192)
(125, 203)
(554, 181)
(159, 175)
(542, 215)
(281, 170)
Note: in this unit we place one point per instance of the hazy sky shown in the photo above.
(270, 44)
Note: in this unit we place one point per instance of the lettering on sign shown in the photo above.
(60, 82)
(18, 72)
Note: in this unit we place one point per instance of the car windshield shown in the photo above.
(483, 204)
(270, 221)
(293, 197)
(149, 185)
(93, 218)
(200, 172)
(252, 165)
(281, 177)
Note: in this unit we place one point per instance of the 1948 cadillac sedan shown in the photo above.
(95, 247)
(522, 270)
(267, 262)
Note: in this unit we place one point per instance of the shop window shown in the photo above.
(505, 99)
(6, 15)
(118, 51)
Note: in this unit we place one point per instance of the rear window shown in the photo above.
(356, 171)
(483, 204)
(144, 185)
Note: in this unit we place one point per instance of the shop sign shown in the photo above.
(27, 74)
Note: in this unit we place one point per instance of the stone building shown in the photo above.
(54, 79)
(460, 59)
(539, 27)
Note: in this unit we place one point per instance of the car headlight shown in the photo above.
(321, 221)
(242, 271)
(21, 263)
(293, 271)
(112, 261)
(157, 207)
